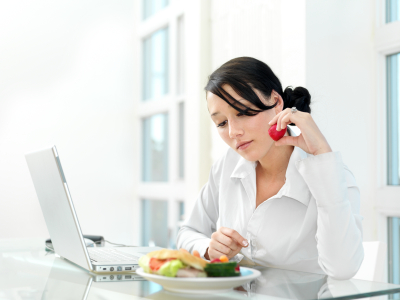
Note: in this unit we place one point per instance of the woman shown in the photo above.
(290, 204)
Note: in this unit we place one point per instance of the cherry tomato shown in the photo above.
(224, 258)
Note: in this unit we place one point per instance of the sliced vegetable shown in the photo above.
(215, 260)
(144, 263)
(221, 269)
(196, 253)
(170, 268)
(156, 264)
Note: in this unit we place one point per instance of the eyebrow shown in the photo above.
(216, 113)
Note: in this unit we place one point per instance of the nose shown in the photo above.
(234, 130)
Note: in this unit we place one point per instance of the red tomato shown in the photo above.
(155, 264)
(215, 260)
(224, 258)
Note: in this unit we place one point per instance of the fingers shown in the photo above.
(235, 235)
(213, 253)
(216, 245)
(226, 241)
(277, 117)
(285, 120)
(274, 119)
(229, 242)
(283, 115)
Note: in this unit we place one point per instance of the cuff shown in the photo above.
(202, 246)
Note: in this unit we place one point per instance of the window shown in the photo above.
(155, 223)
(181, 213)
(393, 116)
(155, 148)
(393, 162)
(181, 148)
(161, 109)
(180, 56)
(172, 131)
(150, 7)
(155, 65)
(394, 252)
(387, 134)
(392, 10)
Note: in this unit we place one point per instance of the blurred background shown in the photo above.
(117, 86)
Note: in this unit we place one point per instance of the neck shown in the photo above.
(275, 162)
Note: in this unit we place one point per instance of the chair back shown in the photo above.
(373, 265)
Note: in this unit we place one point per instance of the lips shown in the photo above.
(243, 145)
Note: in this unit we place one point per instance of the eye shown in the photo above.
(222, 124)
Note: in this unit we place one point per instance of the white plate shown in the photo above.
(204, 285)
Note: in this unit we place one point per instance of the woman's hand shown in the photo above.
(311, 140)
(225, 241)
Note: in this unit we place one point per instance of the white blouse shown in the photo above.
(313, 224)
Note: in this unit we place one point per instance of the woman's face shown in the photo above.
(247, 135)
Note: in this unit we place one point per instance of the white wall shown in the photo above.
(340, 75)
(67, 79)
(272, 31)
(325, 46)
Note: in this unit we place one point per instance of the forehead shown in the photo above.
(215, 103)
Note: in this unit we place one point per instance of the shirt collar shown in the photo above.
(295, 187)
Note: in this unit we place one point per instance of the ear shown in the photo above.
(275, 97)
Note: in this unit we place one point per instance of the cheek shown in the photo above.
(258, 130)
(224, 134)
(258, 126)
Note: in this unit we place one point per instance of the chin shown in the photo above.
(255, 153)
(251, 156)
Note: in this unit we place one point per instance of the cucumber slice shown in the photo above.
(221, 269)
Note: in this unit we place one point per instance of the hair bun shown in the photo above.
(299, 98)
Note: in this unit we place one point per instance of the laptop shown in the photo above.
(62, 222)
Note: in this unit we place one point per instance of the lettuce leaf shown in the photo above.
(170, 268)
(144, 263)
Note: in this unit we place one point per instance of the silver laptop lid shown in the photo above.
(57, 207)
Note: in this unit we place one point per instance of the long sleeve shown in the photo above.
(195, 234)
(339, 228)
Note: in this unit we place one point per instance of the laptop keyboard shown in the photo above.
(110, 254)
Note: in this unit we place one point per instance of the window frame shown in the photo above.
(197, 162)
(165, 18)
(387, 42)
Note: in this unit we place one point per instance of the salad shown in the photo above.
(180, 263)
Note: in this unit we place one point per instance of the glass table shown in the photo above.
(27, 271)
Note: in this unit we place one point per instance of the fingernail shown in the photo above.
(245, 243)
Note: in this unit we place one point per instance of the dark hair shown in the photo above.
(244, 74)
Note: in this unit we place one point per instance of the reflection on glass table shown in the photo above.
(28, 272)
(285, 284)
